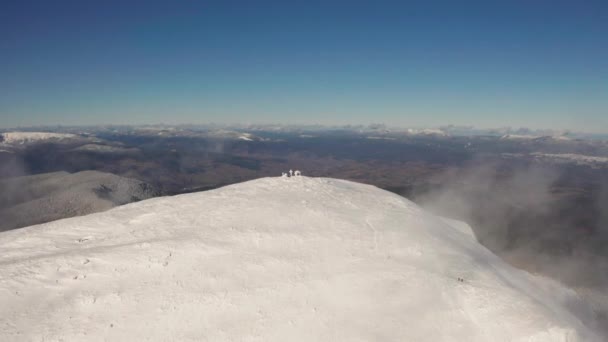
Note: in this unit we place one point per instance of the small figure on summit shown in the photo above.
(291, 173)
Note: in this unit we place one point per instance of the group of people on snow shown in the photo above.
(292, 173)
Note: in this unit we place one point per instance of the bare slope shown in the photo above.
(29, 200)
(275, 259)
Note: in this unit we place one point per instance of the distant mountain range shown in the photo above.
(35, 199)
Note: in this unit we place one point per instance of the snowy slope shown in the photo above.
(275, 259)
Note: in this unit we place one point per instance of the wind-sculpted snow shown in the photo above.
(275, 259)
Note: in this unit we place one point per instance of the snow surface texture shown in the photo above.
(274, 259)
(29, 200)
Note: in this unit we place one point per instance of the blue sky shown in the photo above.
(539, 64)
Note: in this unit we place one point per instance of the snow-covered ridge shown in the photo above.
(98, 148)
(236, 135)
(578, 159)
(27, 137)
(519, 137)
(426, 131)
(371, 137)
(274, 259)
(247, 137)
(535, 137)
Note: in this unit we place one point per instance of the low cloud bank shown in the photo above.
(537, 218)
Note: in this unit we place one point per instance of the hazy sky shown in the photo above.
(486, 63)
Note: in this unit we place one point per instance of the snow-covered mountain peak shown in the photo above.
(28, 137)
(274, 259)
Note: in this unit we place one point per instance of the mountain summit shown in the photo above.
(274, 259)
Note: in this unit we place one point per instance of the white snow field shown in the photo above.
(274, 259)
